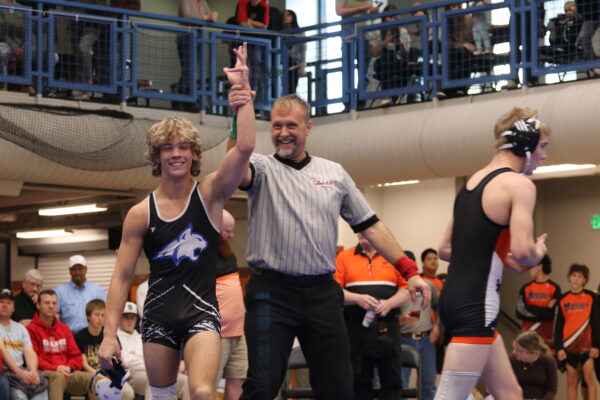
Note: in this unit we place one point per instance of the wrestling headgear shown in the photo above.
(110, 389)
(522, 138)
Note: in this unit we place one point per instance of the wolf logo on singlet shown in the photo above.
(470, 301)
(181, 297)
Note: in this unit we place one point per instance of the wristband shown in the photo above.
(406, 267)
(233, 131)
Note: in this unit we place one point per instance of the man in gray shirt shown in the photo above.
(294, 202)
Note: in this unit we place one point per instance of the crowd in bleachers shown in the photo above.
(394, 57)
(49, 339)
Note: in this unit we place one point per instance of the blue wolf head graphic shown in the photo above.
(187, 245)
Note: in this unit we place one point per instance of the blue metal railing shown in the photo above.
(143, 55)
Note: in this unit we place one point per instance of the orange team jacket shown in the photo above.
(533, 307)
(577, 327)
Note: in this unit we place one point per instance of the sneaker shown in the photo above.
(80, 95)
(477, 52)
(488, 51)
(386, 102)
(509, 85)
(441, 95)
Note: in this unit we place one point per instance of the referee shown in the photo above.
(294, 203)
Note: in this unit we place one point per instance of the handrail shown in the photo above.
(205, 44)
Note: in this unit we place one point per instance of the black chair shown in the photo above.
(296, 362)
(412, 359)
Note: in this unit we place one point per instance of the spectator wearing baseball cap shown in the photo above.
(132, 356)
(19, 357)
(75, 294)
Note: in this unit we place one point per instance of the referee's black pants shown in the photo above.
(277, 310)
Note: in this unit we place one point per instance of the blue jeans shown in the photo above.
(4, 388)
(428, 370)
(20, 395)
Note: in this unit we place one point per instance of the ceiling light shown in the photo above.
(67, 210)
(44, 234)
(397, 183)
(562, 167)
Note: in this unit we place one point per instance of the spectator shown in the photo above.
(84, 35)
(577, 332)
(534, 366)
(395, 52)
(296, 53)
(460, 50)
(74, 295)
(25, 302)
(373, 291)
(198, 10)
(564, 31)
(590, 13)
(420, 330)
(255, 14)
(140, 298)
(89, 339)
(11, 39)
(481, 30)
(350, 9)
(132, 356)
(234, 357)
(538, 300)
(19, 356)
(59, 356)
(4, 385)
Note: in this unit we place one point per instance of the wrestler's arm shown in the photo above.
(234, 166)
(445, 247)
(386, 244)
(525, 251)
(134, 226)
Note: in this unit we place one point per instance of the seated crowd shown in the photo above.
(46, 352)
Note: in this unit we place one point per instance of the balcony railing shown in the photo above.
(404, 55)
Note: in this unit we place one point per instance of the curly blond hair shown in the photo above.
(506, 121)
(167, 129)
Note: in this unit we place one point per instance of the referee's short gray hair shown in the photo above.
(291, 100)
(34, 273)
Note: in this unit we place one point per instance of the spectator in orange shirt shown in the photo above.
(577, 332)
(373, 291)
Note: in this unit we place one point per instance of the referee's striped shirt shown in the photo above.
(294, 210)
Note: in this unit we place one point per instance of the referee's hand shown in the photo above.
(416, 284)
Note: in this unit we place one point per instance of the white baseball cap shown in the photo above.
(130, 308)
(77, 259)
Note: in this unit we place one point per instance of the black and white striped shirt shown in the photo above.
(294, 210)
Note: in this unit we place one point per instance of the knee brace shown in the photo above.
(164, 393)
(456, 385)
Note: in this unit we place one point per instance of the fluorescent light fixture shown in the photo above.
(562, 167)
(67, 210)
(397, 183)
(44, 234)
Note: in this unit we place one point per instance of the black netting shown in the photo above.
(94, 140)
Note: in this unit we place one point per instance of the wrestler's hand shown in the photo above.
(511, 263)
(109, 348)
(594, 352)
(416, 284)
(561, 355)
(239, 75)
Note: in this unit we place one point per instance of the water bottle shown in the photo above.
(369, 317)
